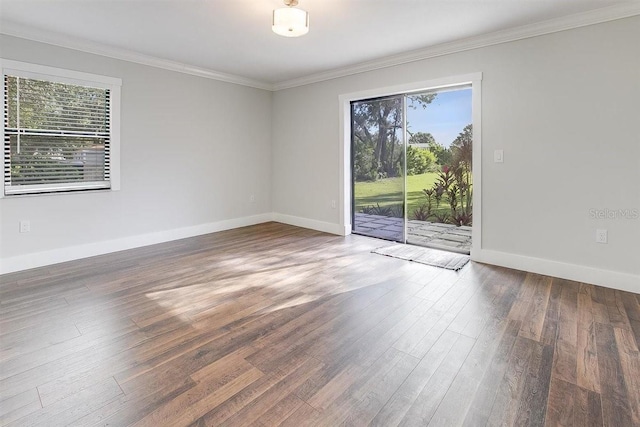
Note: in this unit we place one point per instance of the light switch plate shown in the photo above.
(498, 156)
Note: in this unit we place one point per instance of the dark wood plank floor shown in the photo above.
(276, 325)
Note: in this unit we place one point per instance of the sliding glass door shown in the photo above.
(378, 165)
(411, 168)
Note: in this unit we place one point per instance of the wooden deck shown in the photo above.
(276, 325)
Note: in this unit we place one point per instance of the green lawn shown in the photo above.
(389, 191)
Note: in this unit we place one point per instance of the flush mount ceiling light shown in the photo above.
(289, 21)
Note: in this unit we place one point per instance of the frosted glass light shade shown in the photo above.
(290, 22)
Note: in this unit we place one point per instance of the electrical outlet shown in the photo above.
(252, 198)
(601, 236)
(333, 204)
(498, 156)
(25, 226)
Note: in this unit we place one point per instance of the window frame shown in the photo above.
(59, 75)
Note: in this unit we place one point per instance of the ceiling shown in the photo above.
(234, 36)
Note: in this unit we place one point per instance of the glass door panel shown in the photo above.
(439, 154)
(378, 164)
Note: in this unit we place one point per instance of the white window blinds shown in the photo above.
(57, 136)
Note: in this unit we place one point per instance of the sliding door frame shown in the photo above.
(475, 80)
(405, 141)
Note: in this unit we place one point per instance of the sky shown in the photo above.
(444, 118)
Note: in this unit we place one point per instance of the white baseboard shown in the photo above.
(327, 227)
(579, 273)
(55, 256)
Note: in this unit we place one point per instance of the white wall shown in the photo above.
(193, 150)
(565, 109)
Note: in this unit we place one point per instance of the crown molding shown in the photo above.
(56, 39)
(596, 16)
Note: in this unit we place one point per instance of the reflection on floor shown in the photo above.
(434, 235)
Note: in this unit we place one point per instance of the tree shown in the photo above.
(62, 119)
(377, 130)
(424, 138)
(462, 148)
(362, 161)
(443, 155)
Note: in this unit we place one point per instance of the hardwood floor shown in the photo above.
(275, 325)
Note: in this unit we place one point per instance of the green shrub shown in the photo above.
(419, 160)
(393, 211)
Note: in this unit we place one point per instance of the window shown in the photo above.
(61, 130)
